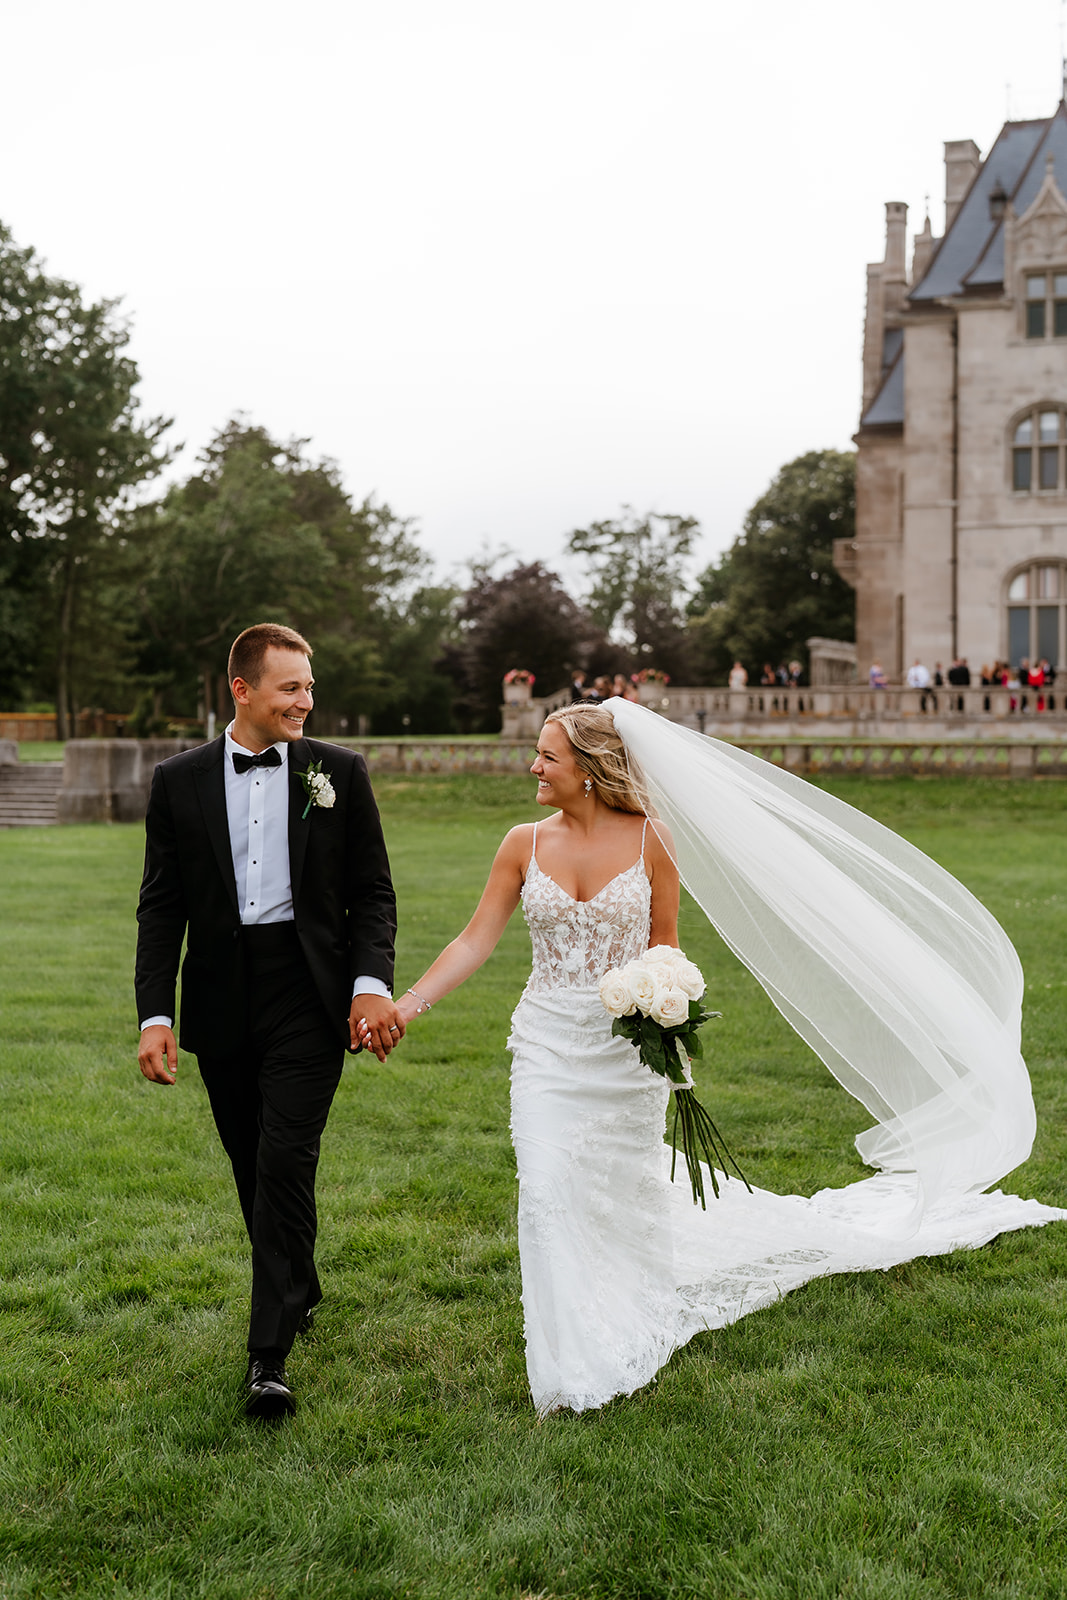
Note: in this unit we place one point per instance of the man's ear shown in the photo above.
(239, 689)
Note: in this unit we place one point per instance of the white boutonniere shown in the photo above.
(318, 788)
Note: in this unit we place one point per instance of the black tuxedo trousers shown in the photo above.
(270, 1100)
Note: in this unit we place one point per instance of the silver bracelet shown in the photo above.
(424, 1004)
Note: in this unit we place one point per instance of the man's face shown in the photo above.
(273, 710)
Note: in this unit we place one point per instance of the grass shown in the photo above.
(873, 1435)
(41, 749)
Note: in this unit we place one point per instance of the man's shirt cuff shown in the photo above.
(366, 985)
(157, 1022)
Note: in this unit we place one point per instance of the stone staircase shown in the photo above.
(28, 793)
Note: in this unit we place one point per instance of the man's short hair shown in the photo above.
(249, 649)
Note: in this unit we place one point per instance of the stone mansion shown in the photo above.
(961, 492)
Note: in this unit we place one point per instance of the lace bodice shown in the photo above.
(576, 941)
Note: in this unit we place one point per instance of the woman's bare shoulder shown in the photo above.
(517, 843)
(659, 845)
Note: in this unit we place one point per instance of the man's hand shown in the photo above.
(375, 1023)
(158, 1055)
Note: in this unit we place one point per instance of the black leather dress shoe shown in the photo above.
(269, 1395)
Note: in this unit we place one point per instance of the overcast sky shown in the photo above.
(511, 265)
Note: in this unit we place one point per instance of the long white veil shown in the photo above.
(899, 979)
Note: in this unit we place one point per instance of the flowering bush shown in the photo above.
(651, 675)
(519, 675)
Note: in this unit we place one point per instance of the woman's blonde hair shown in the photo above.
(601, 755)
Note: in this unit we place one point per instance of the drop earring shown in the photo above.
(588, 787)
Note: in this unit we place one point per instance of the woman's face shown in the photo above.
(560, 782)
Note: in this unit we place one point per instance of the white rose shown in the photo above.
(615, 994)
(688, 976)
(642, 983)
(670, 1007)
(325, 794)
(658, 954)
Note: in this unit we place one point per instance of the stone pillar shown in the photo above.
(108, 780)
(833, 662)
(9, 751)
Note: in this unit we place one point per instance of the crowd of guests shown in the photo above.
(783, 676)
(603, 688)
(1030, 684)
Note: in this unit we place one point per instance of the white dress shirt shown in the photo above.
(257, 811)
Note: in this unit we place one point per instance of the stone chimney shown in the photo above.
(873, 335)
(894, 268)
(887, 283)
(896, 227)
(962, 160)
(922, 249)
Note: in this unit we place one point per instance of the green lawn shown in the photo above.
(41, 750)
(879, 1435)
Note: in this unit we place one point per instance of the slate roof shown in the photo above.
(888, 404)
(969, 239)
(971, 254)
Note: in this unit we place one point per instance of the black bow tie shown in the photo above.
(266, 758)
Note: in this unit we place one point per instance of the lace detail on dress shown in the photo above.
(576, 941)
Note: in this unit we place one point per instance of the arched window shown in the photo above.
(1037, 449)
(1037, 603)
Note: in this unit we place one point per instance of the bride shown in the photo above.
(899, 979)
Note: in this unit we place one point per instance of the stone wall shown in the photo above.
(107, 780)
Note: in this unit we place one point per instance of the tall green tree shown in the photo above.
(264, 533)
(222, 550)
(637, 586)
(73, 448)
(523, 619)
(416, 631)
(776, 586)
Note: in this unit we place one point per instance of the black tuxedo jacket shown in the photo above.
(343, 901)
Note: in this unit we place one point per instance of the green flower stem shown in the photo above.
(700, 1136)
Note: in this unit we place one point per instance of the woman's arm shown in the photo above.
(663, 927)
(479, 938)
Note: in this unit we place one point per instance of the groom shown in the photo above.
(280, 880)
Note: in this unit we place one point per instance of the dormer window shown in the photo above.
(1046, 305)
(1037, 451)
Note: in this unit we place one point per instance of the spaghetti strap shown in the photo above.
(533, 847)
(644, 830)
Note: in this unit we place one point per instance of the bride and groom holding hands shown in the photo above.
(265, 855)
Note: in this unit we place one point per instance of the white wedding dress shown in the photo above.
(619, 1268)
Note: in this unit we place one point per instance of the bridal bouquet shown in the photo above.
(655, 1002)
